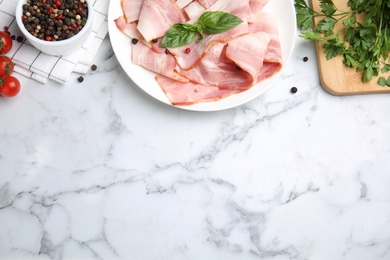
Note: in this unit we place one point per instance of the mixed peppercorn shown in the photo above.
(54, 20)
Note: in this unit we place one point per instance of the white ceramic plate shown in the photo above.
(121, 44)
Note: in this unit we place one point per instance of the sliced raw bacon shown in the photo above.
(207, 3)
(256, 6)
(216, 69)
(159, 63)
(155, 45)
(183, 3)
(157, 16)
(266, 22)
(194, 10)
(190, 93)
(239, 8)
(131, 9)
(129, 29)
(268, 70)
(248, 52)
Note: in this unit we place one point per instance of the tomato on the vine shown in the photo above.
(5, 42)
(9, 86)
(6, 66)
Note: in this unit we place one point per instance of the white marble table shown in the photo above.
(100, 170)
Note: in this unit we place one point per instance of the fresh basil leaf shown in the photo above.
(199, 29)
(179, 34)
(218, 22)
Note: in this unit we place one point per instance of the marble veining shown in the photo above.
(100, 170)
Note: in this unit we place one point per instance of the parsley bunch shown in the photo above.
(365, 45)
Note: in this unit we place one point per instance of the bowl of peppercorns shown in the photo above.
(55, 27)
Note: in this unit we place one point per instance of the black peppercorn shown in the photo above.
(67, 21)
(305, 59)
(93, 67)
(19, 39)
(80, 79)
(294, 90)
(134, 41)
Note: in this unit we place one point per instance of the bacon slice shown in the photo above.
(190, 93)
(155, 45)
(248, 52)
(160, 63)
(131, 9)
(239, 8)
(256, 6)
(157, 16)
(234, 65)
(266, 22)
(194, 10)
(183, 3)
(207, 3)
(129, 29)
(216, 69)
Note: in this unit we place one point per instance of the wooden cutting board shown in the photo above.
(335, 77)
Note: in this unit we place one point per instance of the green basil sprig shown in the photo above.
(181, 34)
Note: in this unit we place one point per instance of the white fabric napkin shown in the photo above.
(34, 64)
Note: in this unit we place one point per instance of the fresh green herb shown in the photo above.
(382, 81)
(181, 34)
(365, 45)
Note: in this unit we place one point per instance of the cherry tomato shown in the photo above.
(9, 86)
(5, 42)
(6, 66)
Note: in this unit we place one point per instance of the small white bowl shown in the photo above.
(57, 48)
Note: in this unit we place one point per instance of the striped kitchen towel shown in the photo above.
(42, 67)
